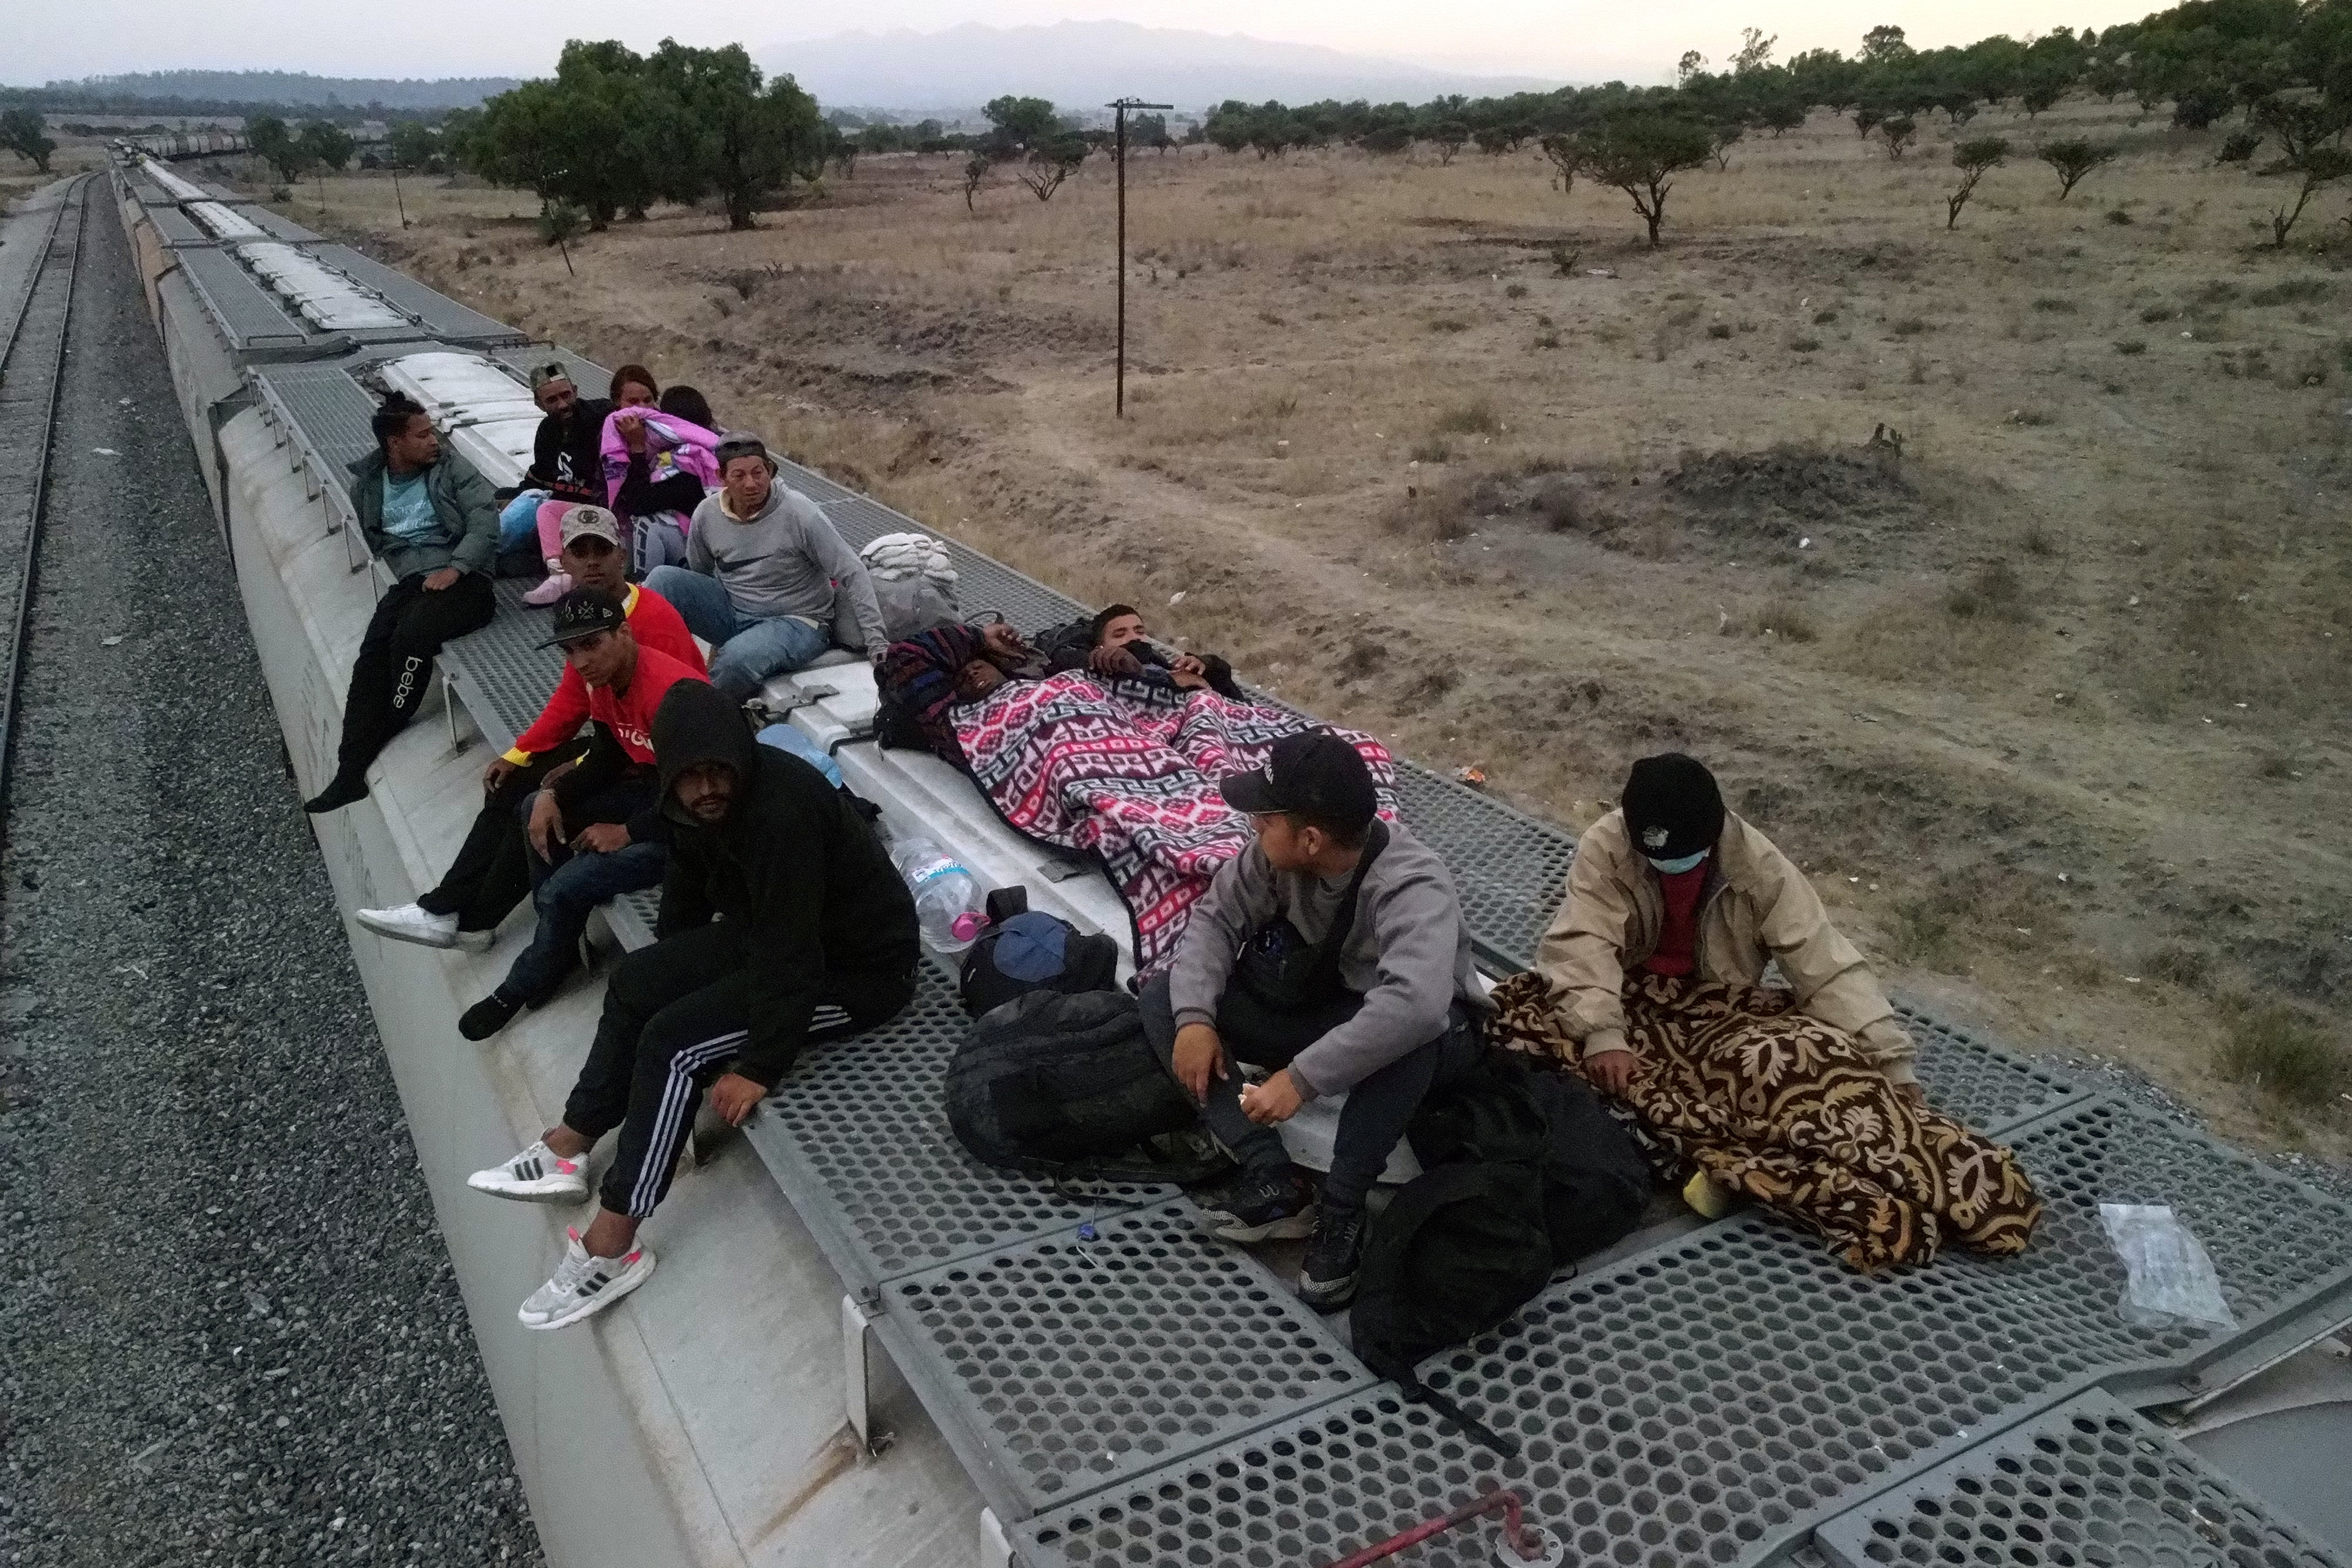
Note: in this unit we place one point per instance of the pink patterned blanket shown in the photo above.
(1133, 781)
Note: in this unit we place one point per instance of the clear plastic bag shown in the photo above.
(2170, 1280)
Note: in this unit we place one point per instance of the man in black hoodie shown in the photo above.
(814, 938)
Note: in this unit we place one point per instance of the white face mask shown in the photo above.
(1676, 867)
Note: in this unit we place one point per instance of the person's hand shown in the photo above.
(546, 825)
(1912, 1095)
(498, 772)
(1198, 1053)
(1115, 662)
(1188, 664)
(547, 780)
(1004, 639)
(1275, 1099)
(631, 428)
(603, 838)
(1610, 1071)
(735, 1097)
(435, 581)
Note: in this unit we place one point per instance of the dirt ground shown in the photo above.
(2044, 687)
(18, 177)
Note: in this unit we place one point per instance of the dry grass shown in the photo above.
(2065, 633)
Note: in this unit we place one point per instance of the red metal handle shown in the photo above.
(1506, 1500)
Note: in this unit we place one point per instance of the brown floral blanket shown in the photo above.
(1790, 1111)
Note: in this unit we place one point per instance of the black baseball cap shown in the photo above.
(1315, 775)
(1672, 806)
(583, 613)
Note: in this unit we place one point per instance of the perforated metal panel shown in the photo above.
(1977, 1082)
(248, 315)
(333, 409)
(2088, 1483)
(1715, 1396)
(500, 673)
(858, 1136)
(280, 227)
(1075, 1363)
(176, 228)
(444, 317)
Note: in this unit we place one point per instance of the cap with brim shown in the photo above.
(585, 613)
(736, 444)
(592, 522)
(1317, 775)
(1674, 808)
(542, 374)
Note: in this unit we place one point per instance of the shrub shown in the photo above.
(2292, 291)
(1900, 132)
(2055, 305)
(1719, 329)
(1823, 317)
(2176, 965)
(2131, 346)
(1476, 417)
(1547, 340)
(2239, 147)
(1805, 345)
(2071, 161)
(1435, 449)
(1974, 160)
(1908, 327)
(2155, 313)
(1448, 325)
(1563, 260)
(1993, 592)
(1516, 291)
(2274, 1050)
(2119, 217)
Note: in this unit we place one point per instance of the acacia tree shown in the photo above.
(975, 174)
(1052, 162)
(1974, 160)
(24, 132)
(1639, 154)
(1565, 154)
(275, 145)
(2072, 160)
(2320, 166)
(1450, 136)
(1900, 132)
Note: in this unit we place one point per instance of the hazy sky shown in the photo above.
(1579, 39)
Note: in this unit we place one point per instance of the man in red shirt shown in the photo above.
(588, 829)
(492, 871)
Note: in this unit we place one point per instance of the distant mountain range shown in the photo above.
(1081, 65)
(295, 90)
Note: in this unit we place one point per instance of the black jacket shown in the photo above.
(794, 863)
(568, 459)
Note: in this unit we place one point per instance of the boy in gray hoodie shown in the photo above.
(1333, 950)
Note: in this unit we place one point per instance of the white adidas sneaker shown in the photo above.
(537, 1175)
(584, 1286)
(414, 924)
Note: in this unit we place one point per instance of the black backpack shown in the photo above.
(1066, 1086)
(1523, 1173)
(1025, 949)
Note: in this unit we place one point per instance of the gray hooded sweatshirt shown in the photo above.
(785, 559)
(1408, 954)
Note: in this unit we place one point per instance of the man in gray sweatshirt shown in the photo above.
(765, 574)
(1333, 951)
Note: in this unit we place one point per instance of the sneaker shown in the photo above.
(487, 1016)
(583, 1286)
(411, 922)
(340, 793)
(1327, 1276)
(537, 1175)
(1261, 1206)
(558, 584)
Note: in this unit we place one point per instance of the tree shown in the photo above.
(1639, 154)
(1867, 116)
(267, 135)
(412, 144)
(1020, 126)
(1053, 162)
(1974, 160)
(326, 145)
(1449, 135)
(1565, 154)
(1755, 52)
(1900, 132)
(750, 140)
(1780, 114)
(976, 172)
(2320, 166)
(1690, 65)
(24, 132)
(1722, 138)
(2073, 159)
(1884, 45)
(2038, 91)
(2300, 126)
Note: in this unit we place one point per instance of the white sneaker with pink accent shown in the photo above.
(558, 584)
(537, 1175)
(583, 1286)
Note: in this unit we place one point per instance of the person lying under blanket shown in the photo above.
(1126, 771)
(1114, 643)
(1649, 984)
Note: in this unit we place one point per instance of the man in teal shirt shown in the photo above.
(435, 524)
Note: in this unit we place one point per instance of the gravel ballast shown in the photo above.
(230, 1331)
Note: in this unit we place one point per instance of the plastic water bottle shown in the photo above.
(948, 901)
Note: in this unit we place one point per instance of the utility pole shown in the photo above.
(1119, 396)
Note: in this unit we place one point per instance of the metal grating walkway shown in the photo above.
(1712, 1399)
(1070, 1363)
(2088, 1483)
(858, 1136)
(248, 315)
(443, 317)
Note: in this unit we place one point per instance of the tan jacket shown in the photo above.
(1757, 907)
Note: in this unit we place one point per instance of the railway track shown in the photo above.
(32, 366)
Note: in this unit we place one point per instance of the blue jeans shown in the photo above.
(565, 890)
(520, 521)
(745, 650)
